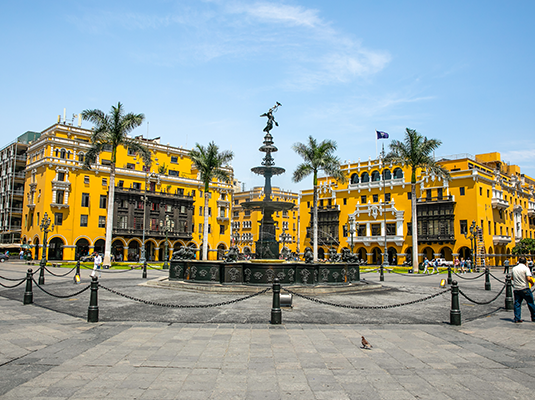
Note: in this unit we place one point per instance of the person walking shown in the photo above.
(96, 265)
(506, 266)
(456, 264)
(522, 280)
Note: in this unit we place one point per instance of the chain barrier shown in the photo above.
(498, 279)
(328, 303)
(370, 270)
(13, 280)
(60, 275)
(480, 302)
(153, 303)
(402, 273)
(61, 296)
(462, 277)
(14, 286)
(157, 269)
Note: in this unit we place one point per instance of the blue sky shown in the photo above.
(201, 71)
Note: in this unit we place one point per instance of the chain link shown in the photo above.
(370, 270)
(402, 273)
(14, 286)
(11, 279)
(60, 275)
(365, 307)
(475, 277)
(482, 302)
(61, 296)
(153, 303)
(498, 279)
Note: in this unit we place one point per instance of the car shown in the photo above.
(3, 258)
(442, 262)
(89, 258)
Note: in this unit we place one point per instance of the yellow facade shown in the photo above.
(169, 194)
(482, 189)
(246, 223)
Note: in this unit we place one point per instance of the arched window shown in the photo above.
(69, 155)
(354, 178)
(56, 153)
(365, 177)
(81, 157)
(398, 173)
(62, 154)
(376, 176)
(387, 174)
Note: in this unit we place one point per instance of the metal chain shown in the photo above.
(14, 286)
(11, 279)
(365, 307)
(157, 269)
(370, 270)
(462, 277)
(498, 279)
(60, 275)
(153, 303)
(61, 296)
(480, 302)
(402, 273)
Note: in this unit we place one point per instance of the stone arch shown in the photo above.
(376, 176)
(428, 252)
(117, 249)
(36, 242)
(98, 246)
(387, 175)
(408, 255)
(392, 256)
(365, 177)
(55, 248)
(398, 173)
(321, 253)
(134, 249)
(377, 258)
(446, 253)
(362, 254)
(355, 178)
(82, 248)
(221, 247)
(465, 253)
(490, 256)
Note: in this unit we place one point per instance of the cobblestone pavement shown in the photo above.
(137, 351)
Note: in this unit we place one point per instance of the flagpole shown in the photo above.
(376, 144)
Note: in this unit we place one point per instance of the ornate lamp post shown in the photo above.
(472, 237)
(143, 258)
(351, 229)
(166, 229)
(45, 227)
(385, 251)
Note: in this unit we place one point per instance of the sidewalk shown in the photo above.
(47, 354)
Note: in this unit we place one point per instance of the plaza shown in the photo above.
(146, 351)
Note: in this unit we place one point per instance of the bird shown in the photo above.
(365, 344)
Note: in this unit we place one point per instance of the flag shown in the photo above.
(381, 135)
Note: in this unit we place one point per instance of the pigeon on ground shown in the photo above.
(366, 344)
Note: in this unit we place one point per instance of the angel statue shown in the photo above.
(271, 118)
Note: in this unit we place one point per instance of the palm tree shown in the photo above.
(317, 158)
(110, 132)
(211, 164)
(416, 152)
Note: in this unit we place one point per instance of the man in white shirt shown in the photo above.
(522, 279)
(96, 266)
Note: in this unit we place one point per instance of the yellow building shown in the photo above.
(487, 207)
(246, 223)
(167, 198)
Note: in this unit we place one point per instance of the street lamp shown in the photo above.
(472, 237)
(166, 229)
(143, 258)
(351, 229)
(385, 251)
(45, 227)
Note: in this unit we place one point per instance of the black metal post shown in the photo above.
(92, 311)
(487, 278)
(455, 312)
(42, 272)
(276, 313)
(381, 273)
(144, 275)
(508, 293)
(449, 274)
(28, 294)
(77, 274)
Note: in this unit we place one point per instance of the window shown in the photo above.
(182, 209)
(85, 199)
(409, 228)
(58, 219)
(391, 229)
(83, 220)
(409, 195)
(375, 198)
(376, 229)
(138, 223)
(376, 176)
(61, 176)
(223, 197)
(140, 205)
(345, 201)
(398, 173)
(209, 211)
(464, 226)
(488, 193)
(461, 190)
(168, 208)
(363, 199)
(221, 229)
(308, 204)
(481, 227)
(154, 206)
(481, 191)
(136, 186)
(120, 184)
(130, 166)
(104, 181)
(131, 152)
(247, 213)
(103, 199)
(62, 153)
(200, 211)
(236, 214)
(105, 162)
(387, 198)
(154, 224)
(193, 193)
(81, 157)
(439, 193)
(365, 177)
(222, 212)
(172, 172)
(60, 196)
(428, 194)
(236, 202)
(174, 159)
(387, 175)
(361, 230)
(86, 180)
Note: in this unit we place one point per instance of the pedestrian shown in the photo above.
(456, 264)
(469, 265)
(96, 265)
(506, 266)
(426, 264)
(21, 254)
(522, 281)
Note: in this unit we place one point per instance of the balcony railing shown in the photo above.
(500, 204)
(174, 234)
(501, 239)
(119, 189)
(436, 199)
(436, 238)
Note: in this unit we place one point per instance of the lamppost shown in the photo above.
(351, 229)
(472, 237)
(166, 229)
(45, 227)
(385, 251)
(285, 236)
(143, 259)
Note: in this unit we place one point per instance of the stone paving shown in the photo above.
(45, 353)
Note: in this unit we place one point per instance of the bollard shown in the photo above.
(92, 311)
(455, 312)
(42, 272)
(28, 294)
(276, 313)
(381, 273)
(76, 278)
(144, 274)
(449, 274)
(508, 293)
(487, 278)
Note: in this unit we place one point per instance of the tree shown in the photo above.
(317, 157)
(416, 152)
(110, 132)
(525, 247)
(211, 165)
